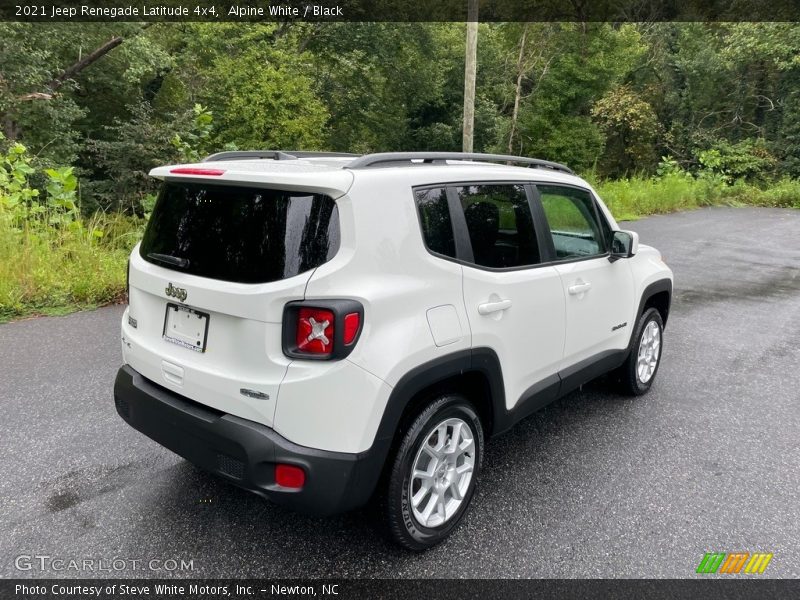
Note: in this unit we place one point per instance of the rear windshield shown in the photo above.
(241, 234)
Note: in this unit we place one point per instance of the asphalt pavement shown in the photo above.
(595, 485)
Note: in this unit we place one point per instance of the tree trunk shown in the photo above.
(9, 128)
(518, 90)
(470, 67)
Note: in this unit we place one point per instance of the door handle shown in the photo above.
(493, 307)
(579, 288)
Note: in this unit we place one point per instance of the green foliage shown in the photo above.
(631, 198)
(49, 269)
(131, 148)
(62, 197)
(630, 127)
(54, 121)
(22, 208)
(787, 144)
(50, 256)
(572, 66)
(256, 82)
(612, 96)
(784, 193)
(748, 159)
(17, 197)
(266, 102)
(195, 143)
(667, 166)
(718, 83)
(391, 86)
(718, 102)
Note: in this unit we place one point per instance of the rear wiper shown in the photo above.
(170, 260)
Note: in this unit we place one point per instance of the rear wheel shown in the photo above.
(433, 475)
(639, 370)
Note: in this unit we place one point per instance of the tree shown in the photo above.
(562, 69)
(42, 80)
(531, 67)
(470, 67)
(630, 127)
(257, 82)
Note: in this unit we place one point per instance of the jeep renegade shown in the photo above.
(322, 328)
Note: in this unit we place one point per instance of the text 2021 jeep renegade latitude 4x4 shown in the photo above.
(319, 327)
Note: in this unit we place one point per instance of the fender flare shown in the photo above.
(480, 360)
(462, 362)
(660, 285)
(656, 287)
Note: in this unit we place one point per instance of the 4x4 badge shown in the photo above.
(175, 292)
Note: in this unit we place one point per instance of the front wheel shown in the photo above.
(434, 472)
(639, 370)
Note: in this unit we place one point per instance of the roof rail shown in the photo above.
(382, 158)
(274, 155)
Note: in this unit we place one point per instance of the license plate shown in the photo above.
(186, 327)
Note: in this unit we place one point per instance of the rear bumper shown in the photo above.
(244, 452)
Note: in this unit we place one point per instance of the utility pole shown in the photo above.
(470, 66)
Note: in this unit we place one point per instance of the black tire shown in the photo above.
(405, 528)
(630, 382)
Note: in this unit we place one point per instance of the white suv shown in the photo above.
(322, 328)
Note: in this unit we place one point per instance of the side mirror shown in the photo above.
(624, 244)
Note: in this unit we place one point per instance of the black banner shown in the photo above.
(432, 589)
(399, 10)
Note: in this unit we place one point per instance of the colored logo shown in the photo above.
(734, 562)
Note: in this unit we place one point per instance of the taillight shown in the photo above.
(290, 476)
(315, 330)
(321, 330)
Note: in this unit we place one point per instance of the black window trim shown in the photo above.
(458, 222)
(463, 245)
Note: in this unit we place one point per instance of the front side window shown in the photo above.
(241, 234)
(499, 224)
(572, 221)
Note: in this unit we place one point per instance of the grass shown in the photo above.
(50, 270)
(631, 199)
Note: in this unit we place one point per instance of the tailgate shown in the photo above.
(208, 285)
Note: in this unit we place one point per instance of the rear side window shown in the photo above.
(435, 218)
(500, 225)
(240, 234)
(573, 222)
